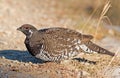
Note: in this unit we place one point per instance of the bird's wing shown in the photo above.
(59, 40)
(86, 38)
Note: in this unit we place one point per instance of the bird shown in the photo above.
(55, 44)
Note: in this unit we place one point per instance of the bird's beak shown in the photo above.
(19, 29)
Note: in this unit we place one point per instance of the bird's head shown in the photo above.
(27, 29)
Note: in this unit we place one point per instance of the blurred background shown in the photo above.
(97, 17)
(100, 18)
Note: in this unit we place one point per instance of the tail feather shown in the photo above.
(98, 49)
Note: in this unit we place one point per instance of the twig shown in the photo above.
(112, 59)
(104, 11)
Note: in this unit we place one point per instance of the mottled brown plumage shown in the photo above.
(56, 44)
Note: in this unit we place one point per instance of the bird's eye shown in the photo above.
(26, 28)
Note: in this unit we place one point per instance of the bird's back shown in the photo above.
(53, 44)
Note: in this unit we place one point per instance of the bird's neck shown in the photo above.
(30, 33)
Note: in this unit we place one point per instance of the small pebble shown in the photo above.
(15, 61)
(3, 57)
(30, 63)
(26, 64)
(48, 71)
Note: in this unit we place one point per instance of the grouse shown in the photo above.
(57, 43)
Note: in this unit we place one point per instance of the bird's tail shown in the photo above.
(98, 49)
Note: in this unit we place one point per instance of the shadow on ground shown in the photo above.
(22, 56)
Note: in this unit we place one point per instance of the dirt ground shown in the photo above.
(16, 62)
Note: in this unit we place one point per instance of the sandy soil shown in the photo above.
(16, 62)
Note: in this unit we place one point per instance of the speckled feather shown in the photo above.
(56, 44)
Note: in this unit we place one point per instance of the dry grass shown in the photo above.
(63, 11)
(103, 13)
(105, 62)
(100, 68)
